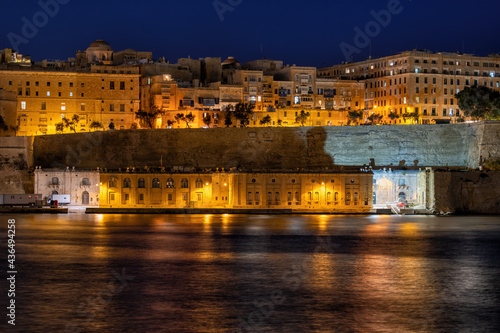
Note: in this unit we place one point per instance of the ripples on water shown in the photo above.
(221, 273)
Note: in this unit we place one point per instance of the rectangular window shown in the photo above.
(59, 84)
(44, 106)
(111, 107)
(122, 85)
(122, 107)
(112, 85)
(23, 105)
(63, 107)
(170, 197)
(48, 84)
(82, 107)
(71, 84)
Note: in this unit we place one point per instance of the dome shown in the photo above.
(100, 45)
(230, 61)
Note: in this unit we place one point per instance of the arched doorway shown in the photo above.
(402, 196)
(85, 198)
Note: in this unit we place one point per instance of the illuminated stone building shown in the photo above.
(418, 81)
(107, 95)
(346, 191)
(82, 186)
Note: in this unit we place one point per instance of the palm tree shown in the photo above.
(266, 120)
(302, 117)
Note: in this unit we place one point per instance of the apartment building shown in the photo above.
(107, 95)
(418, 82)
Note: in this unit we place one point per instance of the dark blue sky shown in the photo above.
(298, 32)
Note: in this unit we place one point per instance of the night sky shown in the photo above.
(307, 33)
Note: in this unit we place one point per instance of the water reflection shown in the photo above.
(215, 273)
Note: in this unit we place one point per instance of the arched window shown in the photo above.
(199, 183)
(127, 183)
(156, 183)
(309, 196)
(297, 196)
(269, 196)
(277, 196)
(141, 183)
(184, 183)
(249, 196)
(170, 183)
(85, 181)
(355, 197)
(289, 196)
(112, 182)
(348, 196)
(336, 197)
(257, 196)
(329, 196)
(55, 181)
(316, 196)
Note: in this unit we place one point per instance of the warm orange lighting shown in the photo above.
(206, 184)
(225, 184)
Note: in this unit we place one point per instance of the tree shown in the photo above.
(354, 116)
(3, 125)
(189, 119)
(170, 122)
(393, 115)
(207, 120)
(73, 123)
(148, 118)
(266, 120)
(60, 127)
(280, 122)
(242, 112)
(479, 102)
(228, 118)
(111, 126)
(14, 129)
(375, 118)
(95, 125)
(133, 126)
(179, 117)
(412, 115)
(302, 117)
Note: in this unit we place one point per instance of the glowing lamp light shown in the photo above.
(225, 184)
(206, 184)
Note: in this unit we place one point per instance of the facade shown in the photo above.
(346, 191)
(82, 186)
(107, 95)
(419, 82)
(106, 88)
